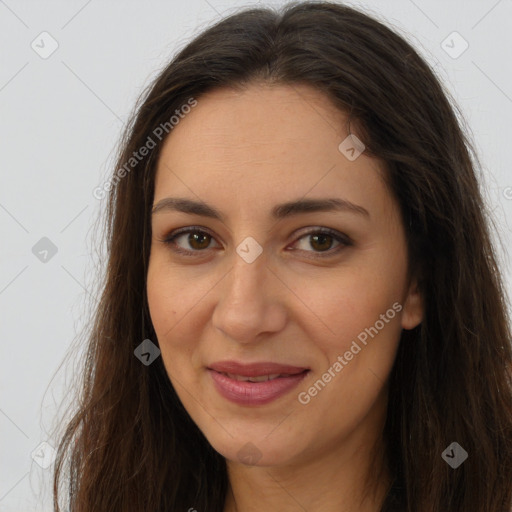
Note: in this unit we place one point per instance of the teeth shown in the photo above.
(261, 378)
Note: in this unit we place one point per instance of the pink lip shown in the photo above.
(254, 393)
(254, 369)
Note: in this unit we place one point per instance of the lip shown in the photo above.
(255, 369)
(254, 393)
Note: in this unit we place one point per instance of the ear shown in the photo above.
(413, 309)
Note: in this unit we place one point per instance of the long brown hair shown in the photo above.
(131, 446)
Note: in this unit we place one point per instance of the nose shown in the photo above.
(251, 302)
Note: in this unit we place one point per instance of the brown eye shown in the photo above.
(189, 240)
(192, 241)
(199, 240)
(322, 241)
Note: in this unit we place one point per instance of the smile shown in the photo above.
(261, 378)
(255, 390)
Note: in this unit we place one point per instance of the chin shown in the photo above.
(250, 451)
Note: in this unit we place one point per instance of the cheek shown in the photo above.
(162, 301)
(353, 301)
(172, 296)
(178, 311)
(363, 317)
(168, 303)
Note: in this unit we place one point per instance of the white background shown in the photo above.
(60, 119)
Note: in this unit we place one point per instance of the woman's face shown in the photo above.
(275, 277)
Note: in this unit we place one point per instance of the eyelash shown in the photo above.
(341, 238)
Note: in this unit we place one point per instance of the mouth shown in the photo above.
(259, 378)
(256, 383)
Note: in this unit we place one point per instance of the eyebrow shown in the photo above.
(279, 211)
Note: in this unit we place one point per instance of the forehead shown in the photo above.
(260, 119)
(266, 142)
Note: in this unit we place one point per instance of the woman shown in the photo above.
(302, 307)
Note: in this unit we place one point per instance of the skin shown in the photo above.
(243, 152)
